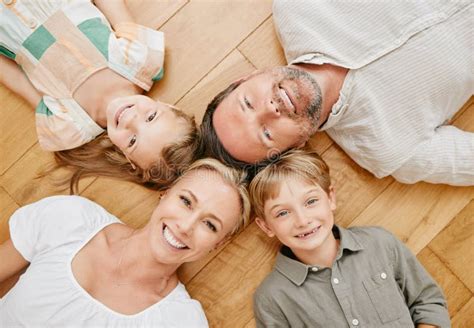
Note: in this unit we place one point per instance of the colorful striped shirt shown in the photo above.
(59, 45)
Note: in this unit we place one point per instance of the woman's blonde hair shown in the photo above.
(101, 157)
(294, 164)
(235, 178)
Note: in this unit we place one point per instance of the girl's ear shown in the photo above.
(264, 226)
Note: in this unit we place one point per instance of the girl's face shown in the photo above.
(141, 127)
(193, 217)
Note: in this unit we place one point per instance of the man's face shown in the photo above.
(268, 113)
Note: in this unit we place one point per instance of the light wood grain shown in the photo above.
(415, 213)
(456, 293)
(465, 317)
(228, 70)
(200, 37)
(132, 203)
(17, 126)
(154, 13)
(355, 187)
(22, 181)
(455, 245)
(262, 48)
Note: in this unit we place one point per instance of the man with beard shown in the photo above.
(381, 78)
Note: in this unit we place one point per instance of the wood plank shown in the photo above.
(355, 187)
(21, 179)
(8, 206)
(465, 317)
(189, 270)
(154, 13)
(235, 274)
(468, 106)
(455, 244)
(464, 119)
(457, 295)
(17, 126)
(200, 37)
(227, 71)
(415, 213)
(131, 203)
(262, 47)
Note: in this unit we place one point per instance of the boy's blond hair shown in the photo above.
(294, 164)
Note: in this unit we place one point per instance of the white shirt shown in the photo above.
(48, 234)
(411, 67)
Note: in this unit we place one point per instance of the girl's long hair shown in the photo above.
(100, 157)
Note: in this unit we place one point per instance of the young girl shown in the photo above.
(83, 77)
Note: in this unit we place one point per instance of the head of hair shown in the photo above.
(210, 144)
(101, 157)
(293, 164)
(235, 178)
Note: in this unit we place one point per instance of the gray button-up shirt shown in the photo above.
(375, 281)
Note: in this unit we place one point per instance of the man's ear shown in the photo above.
(264, 226)
(332, 198)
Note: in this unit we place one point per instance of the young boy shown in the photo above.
(328, 276)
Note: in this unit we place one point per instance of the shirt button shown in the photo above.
(355, 322)
(314, 269)
(336, 281)
(31, 23)
(383, 275)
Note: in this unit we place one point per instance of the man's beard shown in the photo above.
(308, 119)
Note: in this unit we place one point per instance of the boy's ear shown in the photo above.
(265, 228)
(332, 198)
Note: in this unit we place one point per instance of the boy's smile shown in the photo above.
(300, 216)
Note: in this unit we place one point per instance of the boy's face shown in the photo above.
(301, 216)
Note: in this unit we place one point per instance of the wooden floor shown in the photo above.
(209, 43)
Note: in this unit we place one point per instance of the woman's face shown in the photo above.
(193, 217)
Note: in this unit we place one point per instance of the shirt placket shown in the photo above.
(341, 289)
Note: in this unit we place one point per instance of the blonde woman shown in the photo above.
(86, 268)
(84, 68)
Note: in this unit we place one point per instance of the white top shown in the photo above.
(410, 71)
(48, 234)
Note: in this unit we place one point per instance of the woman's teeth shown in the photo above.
(169, 237)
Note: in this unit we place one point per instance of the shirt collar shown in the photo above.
(296, 271)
